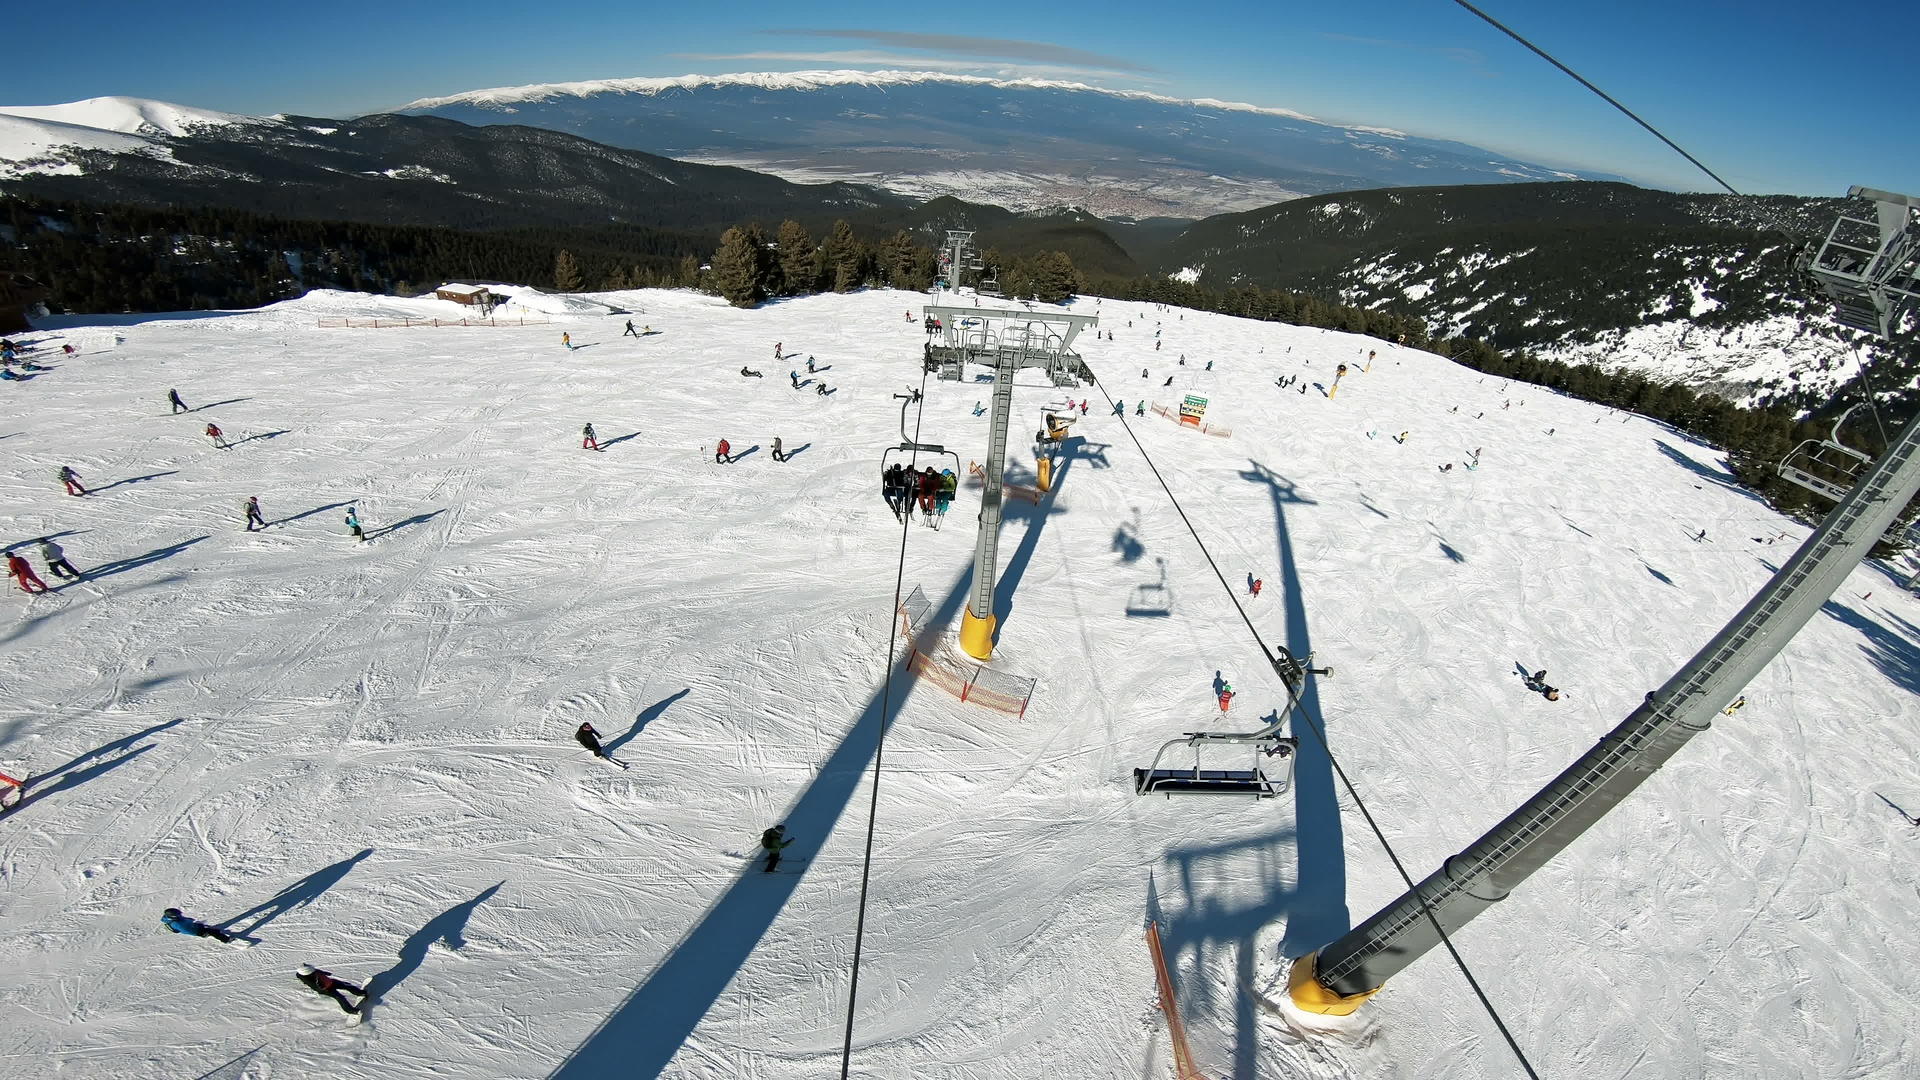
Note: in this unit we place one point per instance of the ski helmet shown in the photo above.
(304, 969)
(171, 911)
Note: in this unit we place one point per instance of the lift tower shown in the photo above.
(1871, 275)
(1005, 340)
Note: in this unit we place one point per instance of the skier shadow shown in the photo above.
(78, 771)
(445, 927)
(134, 480)
(262, 435)
(232, 1070)
(217, 404)
(404, 522)
(821, 367)
(299, 894)
(1317, 910)
(642, 1034)
(1322, 389)
(121, 566)
(1209, 924)
(588, 345)
(749, 450)
(647, 716)
(796, 451)
(621, 439)
(310, 513)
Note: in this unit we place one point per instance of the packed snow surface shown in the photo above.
(128, 115)
(361, 756)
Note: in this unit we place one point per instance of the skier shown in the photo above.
(1140, 407)
(774, 841)
(588, 441)
(29, 581)
(1083, 407)
(929, 484)
(722, 454)
(629, 330)
(1226, 696)
(1169, 381)
(794, 376)
(1702, 536)
(1209, 365)
(253, 513)
(1254, 584)
(173, 399)
(72, 480)
(219, 440)
(822, 389)
(949, 487)
(566, 339)
(586, 736)
(894, 487)
(809, 365)
(173, 920)
(778, 455)
(778, 353)
(56, 560)
(326, 985)
(1143, 373)
(1120, 408)
(353, 525)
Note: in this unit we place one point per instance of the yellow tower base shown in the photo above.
(1046, 474)
(1303, 986)
(976, 634)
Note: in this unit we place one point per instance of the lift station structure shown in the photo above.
(1868, 265)
(1006, 341)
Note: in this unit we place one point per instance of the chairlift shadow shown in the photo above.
(1151, 599)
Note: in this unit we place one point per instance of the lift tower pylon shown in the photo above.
(1875, 292)
(1006, 340)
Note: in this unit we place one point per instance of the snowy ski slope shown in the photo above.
(361, 756)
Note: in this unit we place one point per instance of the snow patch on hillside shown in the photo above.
(43, 147)
(129, 116)
(1744, 364)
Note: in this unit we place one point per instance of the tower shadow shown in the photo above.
(641, 1036)
(1317, 912)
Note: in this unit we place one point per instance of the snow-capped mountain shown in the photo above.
(1020, 143)
(387, 169)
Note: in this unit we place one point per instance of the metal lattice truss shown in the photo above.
(998, 336)
(1869, 262)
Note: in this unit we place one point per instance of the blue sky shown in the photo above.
(1775, 97)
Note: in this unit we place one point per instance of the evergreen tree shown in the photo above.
(845, 256)
(566, 272)
(617, 280)
(742, 266)
(797, 269)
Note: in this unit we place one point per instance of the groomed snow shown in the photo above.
(363, 754)
(128, 115)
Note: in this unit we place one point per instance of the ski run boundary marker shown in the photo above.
(383, 324)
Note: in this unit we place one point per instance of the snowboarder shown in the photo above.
(822, 389)
(809, 365)
(748, 373)
(629, 332)
(72, 480)
(722, 454)
(794, 377)
(353, 525)
(173, 399)
(774, 841)
(1448, 467)
(23, 573)
(254, 517)
(1537, 682)
(586, 736)
(588, 441)
(56, 560)
(219, 440)
(566, 339)
(326, 985)
(173, 920)
(778, 454)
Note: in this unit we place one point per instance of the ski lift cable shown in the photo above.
(1317, 727)
(879, 751)
(1608, 98)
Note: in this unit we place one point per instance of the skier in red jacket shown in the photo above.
(22, 572)
(219, 440)
(722, 453)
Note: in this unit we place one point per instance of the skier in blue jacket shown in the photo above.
(173, 920)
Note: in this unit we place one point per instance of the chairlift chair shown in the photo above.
(1826, 467)
(1254, 781)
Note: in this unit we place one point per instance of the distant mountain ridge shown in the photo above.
(1021, 143)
